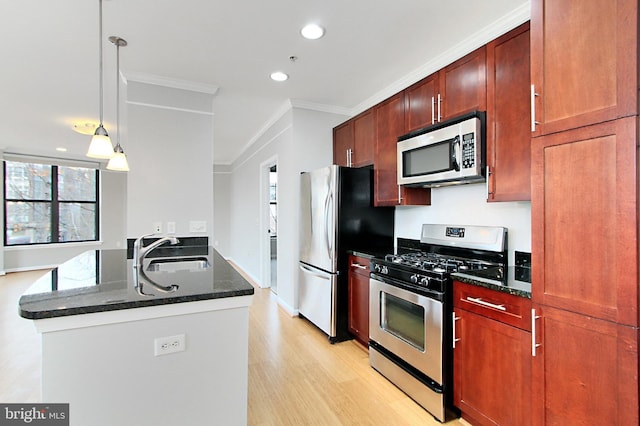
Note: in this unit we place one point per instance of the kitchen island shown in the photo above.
(118, 357)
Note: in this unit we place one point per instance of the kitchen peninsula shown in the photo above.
(118, 357)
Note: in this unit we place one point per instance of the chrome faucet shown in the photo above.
(139, 254)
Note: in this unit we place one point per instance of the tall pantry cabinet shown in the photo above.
(584, 163)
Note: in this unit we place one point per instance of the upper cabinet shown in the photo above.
(389, 124)
(353, 141)
(582, 77)
(457, 89)
(508, 110)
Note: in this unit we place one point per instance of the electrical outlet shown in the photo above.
(171, 227)
(157, 227)
(168, 345)
(198, 226)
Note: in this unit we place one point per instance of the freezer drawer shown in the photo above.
(317, 297)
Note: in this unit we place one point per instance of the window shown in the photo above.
(49, 203)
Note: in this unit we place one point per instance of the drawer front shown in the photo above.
(503, 307)
(359, 265)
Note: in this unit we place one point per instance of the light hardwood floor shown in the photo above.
(295, 376)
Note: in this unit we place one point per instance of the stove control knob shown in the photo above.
(414, 278)
(424, 281)
(376, 267)
(384, 270)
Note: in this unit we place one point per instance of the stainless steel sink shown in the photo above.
(173, 264)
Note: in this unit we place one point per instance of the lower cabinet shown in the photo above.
(585, 371)
(359, 298)
(492, 356)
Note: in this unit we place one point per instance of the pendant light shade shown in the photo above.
(100, 146)
(119, 160)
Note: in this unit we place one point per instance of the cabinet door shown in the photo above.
(585, 371)
(343, 144)
(359, 299)
(463, 85)
(421, 99)
(508, 113)
(363, 139)
(492, 371)
(584, 217)
(583, 62)
(389, 122)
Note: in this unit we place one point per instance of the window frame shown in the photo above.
(54, 202)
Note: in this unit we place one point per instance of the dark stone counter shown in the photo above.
(102, 280)
(517, 281)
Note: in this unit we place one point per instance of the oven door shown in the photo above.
(409, 325)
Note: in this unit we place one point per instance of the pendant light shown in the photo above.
(119, 161)
(100, 146)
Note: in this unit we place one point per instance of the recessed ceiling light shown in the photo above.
(312, 31)
(279, 76)
(61, 149)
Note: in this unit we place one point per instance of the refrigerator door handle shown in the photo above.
(329, 224)
(312, 271)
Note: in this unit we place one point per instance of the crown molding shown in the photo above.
(170, 82)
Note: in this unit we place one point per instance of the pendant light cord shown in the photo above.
(118, 94)
(101, 76)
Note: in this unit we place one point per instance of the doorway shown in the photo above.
(273, 227)
(269, 224)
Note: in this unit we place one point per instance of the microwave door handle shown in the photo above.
(456, 155)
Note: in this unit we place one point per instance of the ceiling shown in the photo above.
(372, 48)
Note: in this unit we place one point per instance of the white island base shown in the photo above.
(104, 364)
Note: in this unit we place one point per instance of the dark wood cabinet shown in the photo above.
(492, 356)
(459, 88)
(420, 104)
(585, 221)
(583, 62)
(364, 134)
(358, 317)
(389, 123)
(585, 371)
(343, 144)
(353, 141)
(463, 85)
(508, 140)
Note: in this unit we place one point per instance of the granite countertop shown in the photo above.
(102, 280)
(517, 282)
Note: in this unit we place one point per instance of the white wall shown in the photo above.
(466, 205)
(169, 145)
(302, 140)
(221, 211)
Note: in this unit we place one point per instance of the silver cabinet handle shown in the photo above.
(534, 123)
(487, 304)
(399, 195)
(455, 318)
(433, 110)
(350, 157)
(488, 175)
(534, 345)
(357, 265)
(439, 101)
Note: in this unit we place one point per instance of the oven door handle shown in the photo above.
(479, 301)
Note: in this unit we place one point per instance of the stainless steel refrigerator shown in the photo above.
(336, 216)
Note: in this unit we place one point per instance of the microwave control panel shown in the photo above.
(468, 151)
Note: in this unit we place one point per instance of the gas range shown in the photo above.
(441, 251)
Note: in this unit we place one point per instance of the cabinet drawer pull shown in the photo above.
(479, 301)
(534, 345)
(433, 110)
(454, 340)
(439, 114)
(357, 265)
(534, 123)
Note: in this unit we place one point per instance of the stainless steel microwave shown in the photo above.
(450, 153)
